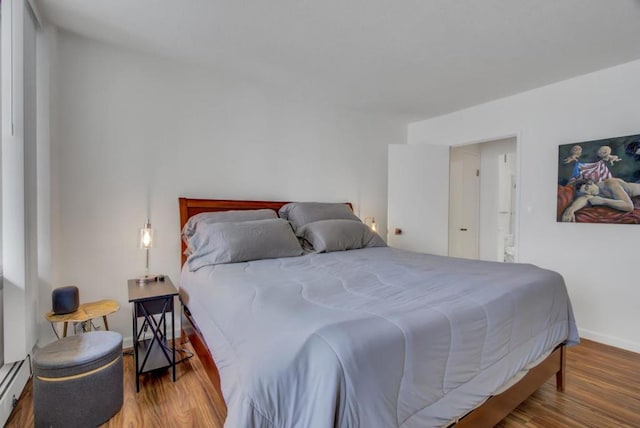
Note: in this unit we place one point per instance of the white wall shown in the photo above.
(597, 261)
(133, 132)
(46, 44)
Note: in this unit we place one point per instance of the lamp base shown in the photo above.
(146, 279)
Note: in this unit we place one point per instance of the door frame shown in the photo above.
(518, 137)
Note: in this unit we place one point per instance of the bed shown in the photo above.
(372, 337)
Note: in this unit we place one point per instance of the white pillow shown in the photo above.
(231, 242)
(225, 217)
(222, 217)
(339, 235)
(301, 213)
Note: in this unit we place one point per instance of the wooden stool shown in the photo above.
(86, 312)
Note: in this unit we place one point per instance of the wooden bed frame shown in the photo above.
(488, 414)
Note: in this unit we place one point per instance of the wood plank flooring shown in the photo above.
(602, 390)
(189, 402)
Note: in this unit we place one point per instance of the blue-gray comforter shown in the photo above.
(371, 338)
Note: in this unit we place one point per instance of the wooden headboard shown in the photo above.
(191, 207)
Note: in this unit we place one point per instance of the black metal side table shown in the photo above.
(152, 301)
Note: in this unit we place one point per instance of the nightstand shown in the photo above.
(153, 301)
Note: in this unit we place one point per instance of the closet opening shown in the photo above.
(482, 200)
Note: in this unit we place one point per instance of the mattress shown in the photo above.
(375, 337)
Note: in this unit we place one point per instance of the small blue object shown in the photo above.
(65, 300)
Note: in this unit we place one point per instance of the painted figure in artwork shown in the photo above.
(576, 152)
(596, 171)
(604, 153)
(613, 193)
(599, 181)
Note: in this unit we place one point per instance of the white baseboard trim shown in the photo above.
(610, 340)
(13, 378)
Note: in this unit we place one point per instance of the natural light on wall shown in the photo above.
(20, 210)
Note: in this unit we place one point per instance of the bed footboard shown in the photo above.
(488, 414)
(499, 406)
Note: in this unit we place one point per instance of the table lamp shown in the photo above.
(146, 242)
(371, 222)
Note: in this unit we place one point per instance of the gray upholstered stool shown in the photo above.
(77, 380)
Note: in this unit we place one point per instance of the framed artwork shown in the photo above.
(599, 181)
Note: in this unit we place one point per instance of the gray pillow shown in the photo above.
(233, 242)
(301, 213)
(339, 235)
(224, 217)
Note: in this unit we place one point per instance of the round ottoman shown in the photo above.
(77, 380)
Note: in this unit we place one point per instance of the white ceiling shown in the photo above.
(413, 58)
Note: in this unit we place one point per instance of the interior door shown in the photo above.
(418, 198)
(464, 202)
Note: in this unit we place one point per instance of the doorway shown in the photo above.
(482, 201)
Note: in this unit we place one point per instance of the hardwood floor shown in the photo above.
(189, 402)
(602, 390)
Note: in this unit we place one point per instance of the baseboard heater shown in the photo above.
(13, 378)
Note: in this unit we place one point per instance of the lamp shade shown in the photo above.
(371, 222)
(146, 236)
